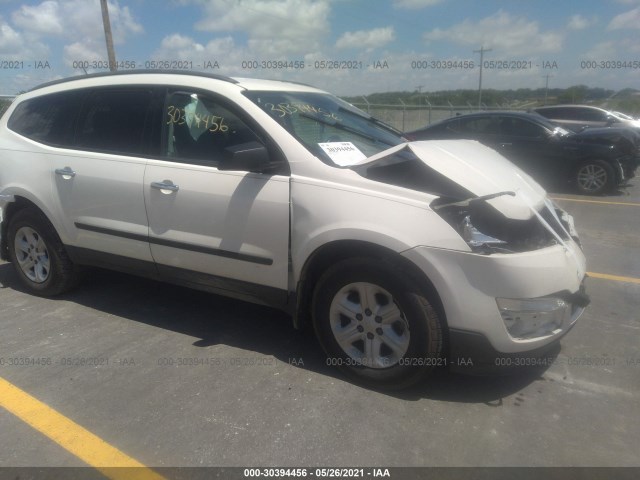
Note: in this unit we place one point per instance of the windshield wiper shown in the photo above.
(469, 201)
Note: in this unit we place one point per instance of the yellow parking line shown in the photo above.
(72, 437)
(580, 200)
(617, 278)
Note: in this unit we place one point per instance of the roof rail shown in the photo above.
(135, 72)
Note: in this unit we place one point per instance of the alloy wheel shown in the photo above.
(32, 255)
(592, 178)
(369, 325)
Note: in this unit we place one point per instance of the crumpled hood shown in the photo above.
(477, 168)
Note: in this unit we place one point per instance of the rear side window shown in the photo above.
(591, 115)
(520, 128)
(480, 125)
(48, 119)
(114, 121)
(551, 113)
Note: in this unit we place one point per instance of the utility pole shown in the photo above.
(107, 35)
(419, 88)
(546, 87)
(481, 52)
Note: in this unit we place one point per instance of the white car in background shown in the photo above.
(578, 117)
(402, 256)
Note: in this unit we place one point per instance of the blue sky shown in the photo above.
(393, 34)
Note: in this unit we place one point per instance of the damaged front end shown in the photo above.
(519, 285)
(493, 205)
(488, 231)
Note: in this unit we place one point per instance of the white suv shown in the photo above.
(403, 256)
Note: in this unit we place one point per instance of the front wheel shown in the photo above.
(38, 255)
(595, 177)
(376, 325)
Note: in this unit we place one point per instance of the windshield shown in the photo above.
(327, 126)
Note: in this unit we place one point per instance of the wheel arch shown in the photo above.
(19, 203)
(338, 250)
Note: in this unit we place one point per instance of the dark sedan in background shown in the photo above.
(596, 162)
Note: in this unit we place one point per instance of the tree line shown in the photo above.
(493, 97)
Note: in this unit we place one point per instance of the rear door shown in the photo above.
(530, 146)
(98, 184)
(228, 230)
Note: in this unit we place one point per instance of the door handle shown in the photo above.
(66, 172)
(165, 185)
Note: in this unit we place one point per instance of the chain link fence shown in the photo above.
(411, 117)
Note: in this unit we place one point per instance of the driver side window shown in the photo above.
(199, 129)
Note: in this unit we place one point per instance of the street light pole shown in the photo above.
(107, 34)
(481, 52)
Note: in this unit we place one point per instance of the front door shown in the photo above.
(229, 229)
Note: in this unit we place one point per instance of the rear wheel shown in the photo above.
(376, 325)
(38, 255)
(594, 177)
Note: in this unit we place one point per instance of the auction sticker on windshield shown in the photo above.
(343, 153)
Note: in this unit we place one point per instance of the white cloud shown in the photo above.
(629, 45)
(630, 19)
(14, 45)
(367, 39)
(506, 34)
(85, 18)
(579, 22)
(9, 38)
(178, 46)
(415, 4)
(43, 19)
(77, 20)
(602, 51)
(184, 48)
(273, 26)
(79, 51)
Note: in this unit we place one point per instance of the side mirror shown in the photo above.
(250, 156)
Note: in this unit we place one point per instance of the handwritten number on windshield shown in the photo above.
(283, 109)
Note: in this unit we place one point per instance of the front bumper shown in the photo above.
(628, 165)
(471, 353)
(468, 285)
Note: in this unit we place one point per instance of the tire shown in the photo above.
(595, 177)
(388, 353)
(37, 254)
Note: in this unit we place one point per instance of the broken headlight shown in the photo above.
(475, 238)
(488, 231)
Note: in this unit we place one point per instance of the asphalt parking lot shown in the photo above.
(170, 377)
